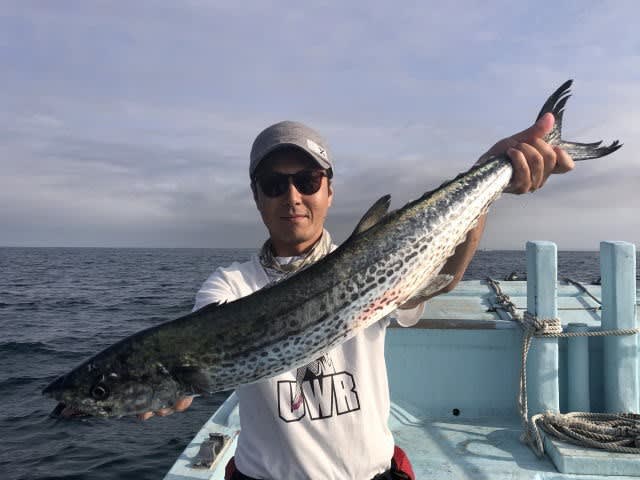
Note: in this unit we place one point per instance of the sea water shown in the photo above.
(59, 306)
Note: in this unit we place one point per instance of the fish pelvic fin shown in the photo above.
(579, 151)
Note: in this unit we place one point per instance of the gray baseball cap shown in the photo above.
(289, 134)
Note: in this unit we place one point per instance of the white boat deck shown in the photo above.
(486, 448)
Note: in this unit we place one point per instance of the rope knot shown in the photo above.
(502, 298)
(541, 327)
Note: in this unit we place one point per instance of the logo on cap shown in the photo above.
(317, 149)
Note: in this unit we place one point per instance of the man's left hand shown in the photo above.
(180, 406)
(532, 158)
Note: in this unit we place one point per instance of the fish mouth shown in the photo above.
(63, 410)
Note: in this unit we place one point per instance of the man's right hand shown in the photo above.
(180, 406)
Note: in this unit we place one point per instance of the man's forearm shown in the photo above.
(457, 264)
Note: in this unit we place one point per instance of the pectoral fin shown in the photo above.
(192, 378)
(434, 285)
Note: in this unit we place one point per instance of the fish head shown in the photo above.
(107, 389)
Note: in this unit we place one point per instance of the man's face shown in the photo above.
(294, 220)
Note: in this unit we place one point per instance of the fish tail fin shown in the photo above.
(578, 151)
(586, 151)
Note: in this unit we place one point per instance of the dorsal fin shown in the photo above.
(373, 215)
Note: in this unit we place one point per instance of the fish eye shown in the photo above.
(100, 391)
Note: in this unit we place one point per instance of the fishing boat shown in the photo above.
(463, 407)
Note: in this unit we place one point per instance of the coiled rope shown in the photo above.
(615, 432)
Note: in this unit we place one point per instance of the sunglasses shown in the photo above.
(307, 182)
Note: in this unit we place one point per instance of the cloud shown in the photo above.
(131, 124)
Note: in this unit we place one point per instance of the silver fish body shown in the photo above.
(390, 258)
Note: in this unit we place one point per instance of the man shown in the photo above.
(283, 434)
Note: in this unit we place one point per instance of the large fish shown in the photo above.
(390, 258)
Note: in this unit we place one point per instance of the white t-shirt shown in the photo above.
(339, 430)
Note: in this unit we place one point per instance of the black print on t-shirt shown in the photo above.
(323, 396)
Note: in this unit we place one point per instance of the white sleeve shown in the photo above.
(408, 318)
(215, 289)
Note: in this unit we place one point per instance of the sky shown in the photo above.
(129, 124)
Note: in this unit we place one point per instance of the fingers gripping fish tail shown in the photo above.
(578, 151)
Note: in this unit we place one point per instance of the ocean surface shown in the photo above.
(59, 306)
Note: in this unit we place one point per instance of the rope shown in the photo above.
(617, 432)
(583, 288)
(582, 309)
